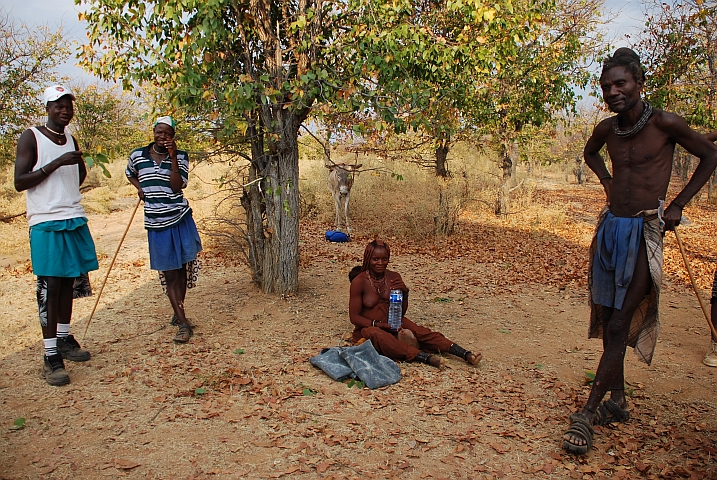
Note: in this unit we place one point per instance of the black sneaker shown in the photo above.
(71, 350)
(54, 371)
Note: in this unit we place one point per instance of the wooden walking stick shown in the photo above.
(694, 284)
(111, 265)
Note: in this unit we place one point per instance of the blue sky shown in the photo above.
(628, 19)
(53, 14)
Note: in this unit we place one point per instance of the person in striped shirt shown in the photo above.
(160, 172)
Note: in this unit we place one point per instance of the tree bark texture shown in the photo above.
(441, 155)
(272, 205)
(579, 170)
(510, 159)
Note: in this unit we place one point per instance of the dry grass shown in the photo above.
(401, 199)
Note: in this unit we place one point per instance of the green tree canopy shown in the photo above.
(257, 69)
(679, 50)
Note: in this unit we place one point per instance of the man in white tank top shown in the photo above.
(49, 168)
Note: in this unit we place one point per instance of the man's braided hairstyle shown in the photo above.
(627, 58)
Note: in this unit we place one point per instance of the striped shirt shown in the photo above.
(163, 208)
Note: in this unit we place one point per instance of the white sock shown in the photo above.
(50, 346)
(63, 330)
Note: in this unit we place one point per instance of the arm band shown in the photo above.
(606, 177)
(42, 169)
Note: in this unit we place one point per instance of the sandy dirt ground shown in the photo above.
(242, 401)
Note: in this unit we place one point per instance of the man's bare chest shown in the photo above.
(642, 151)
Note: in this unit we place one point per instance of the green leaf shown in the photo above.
(356, 383)
(589, 377)
(89, 161)
(503, 330)
(200, 391)
(101, 157)
(308, 392)
(18, 424)
(239, 351)
(442, 299)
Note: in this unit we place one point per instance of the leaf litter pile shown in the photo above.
(242, 401)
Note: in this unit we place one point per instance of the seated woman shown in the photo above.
(371, 284)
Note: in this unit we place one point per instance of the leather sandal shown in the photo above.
(184, 334)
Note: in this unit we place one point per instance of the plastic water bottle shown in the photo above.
(395, 309)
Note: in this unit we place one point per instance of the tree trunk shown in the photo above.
(683, 165)
(441, 155)
(510, 157)
(504, 201)
(514, 157)
(272, 208)
(579, 170)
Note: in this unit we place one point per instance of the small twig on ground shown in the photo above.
(7, 219)
(157, 414)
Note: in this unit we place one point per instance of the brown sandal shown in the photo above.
(184, 334)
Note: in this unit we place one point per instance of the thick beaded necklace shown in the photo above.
(646, 113)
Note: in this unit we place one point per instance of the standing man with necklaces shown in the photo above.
(49, 167)
(625, 270)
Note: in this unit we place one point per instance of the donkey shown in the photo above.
(341, 179)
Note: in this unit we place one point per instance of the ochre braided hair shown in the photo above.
(627, 58)
(369, 252)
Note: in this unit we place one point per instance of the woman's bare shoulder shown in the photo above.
(392, 275)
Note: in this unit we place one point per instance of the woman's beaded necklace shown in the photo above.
(378, 285)
(646, 112)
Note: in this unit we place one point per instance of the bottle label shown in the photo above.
(395, 310)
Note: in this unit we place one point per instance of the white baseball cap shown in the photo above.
(55, 92)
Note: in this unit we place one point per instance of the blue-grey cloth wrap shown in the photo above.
(362, 362)
(618, 241)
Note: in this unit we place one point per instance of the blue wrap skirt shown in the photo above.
(175, 246)
(62, 248)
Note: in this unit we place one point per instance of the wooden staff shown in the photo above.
(111, 265)
(694, 284)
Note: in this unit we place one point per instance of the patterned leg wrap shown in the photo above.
(459, 351)
(423, 357)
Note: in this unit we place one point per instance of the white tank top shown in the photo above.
(58, 196)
